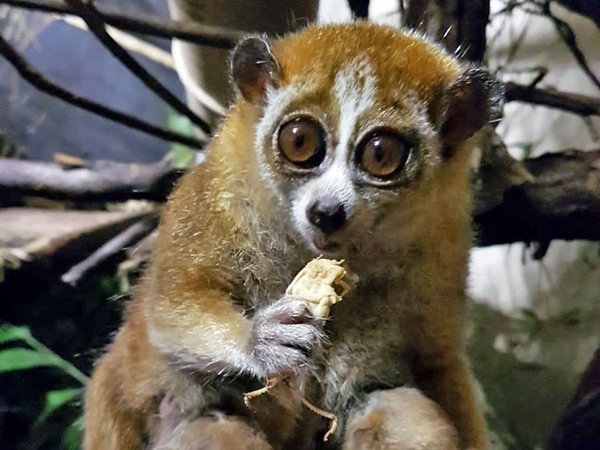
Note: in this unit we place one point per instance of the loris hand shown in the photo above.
(283, 334)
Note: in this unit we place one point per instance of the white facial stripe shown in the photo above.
(277, 100)
(336, 183)
(354, 88)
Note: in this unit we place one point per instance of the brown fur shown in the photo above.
(225, 247)
(403, 418)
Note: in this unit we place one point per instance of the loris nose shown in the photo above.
(329, 216)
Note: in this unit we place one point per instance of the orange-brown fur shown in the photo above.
(224, 245)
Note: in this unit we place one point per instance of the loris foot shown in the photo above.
(399, 419)
(174, 431)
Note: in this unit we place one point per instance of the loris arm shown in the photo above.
(204, 331)
(435, 337)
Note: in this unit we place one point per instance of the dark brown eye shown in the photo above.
(383, 155)
(302, 142)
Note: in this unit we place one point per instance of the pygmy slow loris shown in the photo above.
(348, 141)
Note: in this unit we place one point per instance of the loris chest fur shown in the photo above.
(347, 141)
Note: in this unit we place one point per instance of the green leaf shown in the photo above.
(179, 123)
(181, 157)
(529, 314)
(9, 333)
(72, 435)
(21, 358)
(57, 399)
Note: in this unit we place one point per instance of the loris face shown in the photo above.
(340, 156)
(353, 127)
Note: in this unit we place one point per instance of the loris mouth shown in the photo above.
(323, 244)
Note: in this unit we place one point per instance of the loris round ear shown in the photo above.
(473, 100)
(253, 68)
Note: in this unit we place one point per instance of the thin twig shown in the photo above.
(568, 36)
(96, 25)
(50, 88)
(193, 32)
(128, 237)
(127, 41)
(157, 54)
(574, 103)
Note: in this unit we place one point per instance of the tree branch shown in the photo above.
(562, 203)
(45, 85)
(564, 30)
(98, 181)
(458, 24)
(566, 33)
(96, 25)
(586, 8)
(129, 236)
(152, 26)
(360, 8)
(575, 103)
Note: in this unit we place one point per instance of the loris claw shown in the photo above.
(283, 335)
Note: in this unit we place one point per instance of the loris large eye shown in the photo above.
(382, 154)
(302, 141)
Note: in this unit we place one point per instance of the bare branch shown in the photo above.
(415, 14)
(586, 8)
(575, 103)
(128, 41)
(98, 181)
(45, 85)
(125, 238)
(360, 8)
(29, 236)
(152, 26)
(458, 24)
(568, 36)
(562, 203)
(96, 25)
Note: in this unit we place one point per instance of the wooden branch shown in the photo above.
(566, 33)
(95, 23)
(415, 14)
(127, 41)
(117, 244)
(473, 17)
(152, 26)
(359, 8)
(43, 84)
(40, 237)
(586, 8)
(98, 181)
(562, 203)
(575, 103)
(458, 24)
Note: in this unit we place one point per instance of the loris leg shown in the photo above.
(108, 424)
(399, 419)
(447, 379)
(173, 431)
